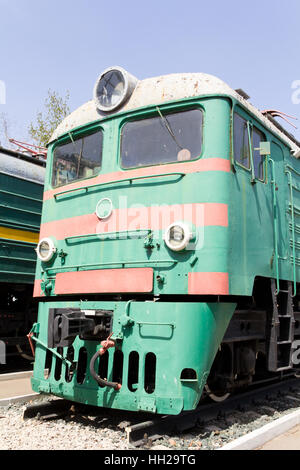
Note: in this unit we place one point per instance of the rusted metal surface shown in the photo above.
(163, 89)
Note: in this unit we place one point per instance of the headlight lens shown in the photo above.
(113, 88)
(45, 249)
(178, 235)
(110, 89)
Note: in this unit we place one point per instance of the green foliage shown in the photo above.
(56, 109)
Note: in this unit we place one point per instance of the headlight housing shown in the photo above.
(45, 249)
(178, 235)
(113, 87)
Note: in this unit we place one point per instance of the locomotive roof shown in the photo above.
(21, 166)
(166, 88)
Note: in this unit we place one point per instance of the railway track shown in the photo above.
(143, 430)
(138, 434)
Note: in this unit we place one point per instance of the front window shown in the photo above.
(81, 158)
(162, 139)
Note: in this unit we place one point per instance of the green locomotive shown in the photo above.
(168, 256)
(21, 189)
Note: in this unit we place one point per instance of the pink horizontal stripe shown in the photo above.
(208, 283)
(105, 281)
(206, 164)
(141, 218)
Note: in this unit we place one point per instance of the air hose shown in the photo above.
(102, 382)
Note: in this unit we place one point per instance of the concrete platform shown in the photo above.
(273, 433)
(290, 440)
(15, 387)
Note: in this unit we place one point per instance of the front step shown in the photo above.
(281, 328)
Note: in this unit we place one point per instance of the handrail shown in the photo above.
(52, 350)
(290, 183)
(141, 323)
(250, 152)
(130, 179)
(289, 167)
(295, 187)
(109, 234)
(275, 223)
(83, 267)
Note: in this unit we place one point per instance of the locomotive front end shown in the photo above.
(133, 252)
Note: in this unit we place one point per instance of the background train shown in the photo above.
(170, 235)
(21, 190)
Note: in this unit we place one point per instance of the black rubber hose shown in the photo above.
(101, 382)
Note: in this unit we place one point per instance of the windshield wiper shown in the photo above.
(168, 127)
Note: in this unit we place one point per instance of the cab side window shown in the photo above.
(241, 141)
(258, 160)
(245, 133)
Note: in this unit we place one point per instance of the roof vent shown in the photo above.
(242, 93)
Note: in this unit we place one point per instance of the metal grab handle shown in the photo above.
(114, 235)
(31, 337)
(133, 178)
(290, 183)
(140, 323)
(275, 222)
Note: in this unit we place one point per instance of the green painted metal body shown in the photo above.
(168, 189)
(262, 223)
(181, 335)
(20, 216)
(260, 239)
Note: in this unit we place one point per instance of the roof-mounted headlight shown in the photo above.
(113, 88)
(178, 235)
(45, 249)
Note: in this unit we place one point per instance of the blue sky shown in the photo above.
(65, 44)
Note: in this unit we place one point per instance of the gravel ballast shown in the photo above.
(79, 431)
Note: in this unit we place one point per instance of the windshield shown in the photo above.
(162, 139)
(78, 159)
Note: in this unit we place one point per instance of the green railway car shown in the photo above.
(168, 261)
(21, 189)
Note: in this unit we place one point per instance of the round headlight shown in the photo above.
(104, 208)
(45, 249)
(178, 235)
(113, 88)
